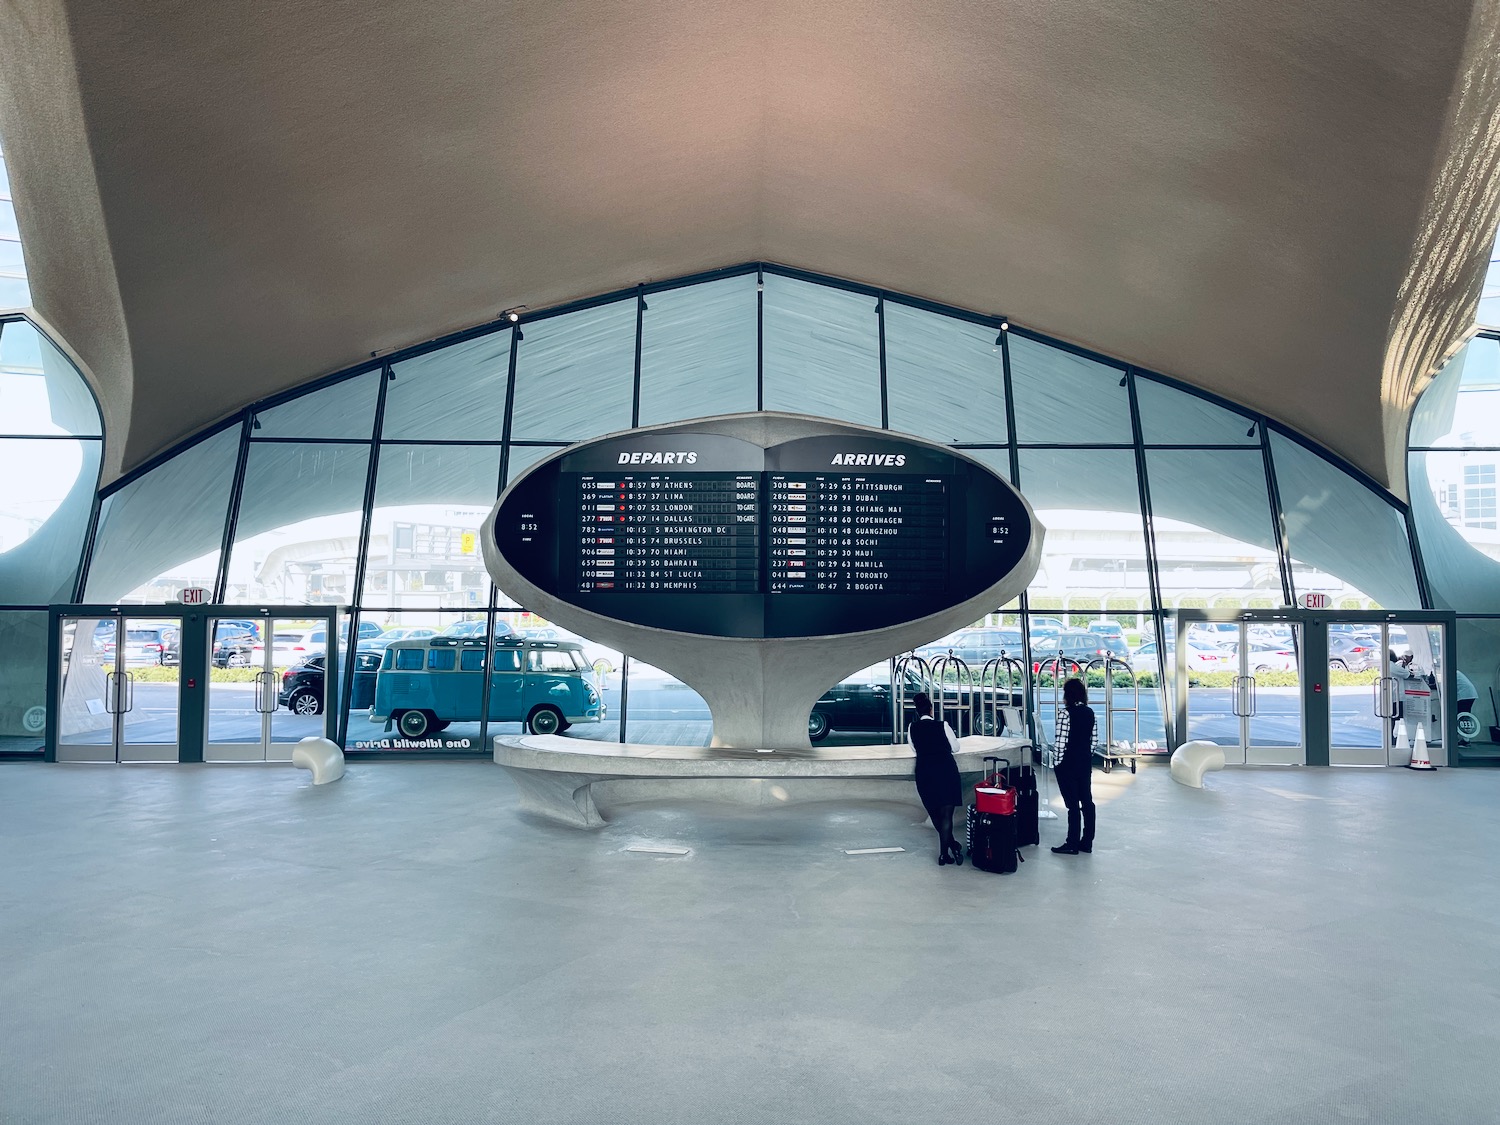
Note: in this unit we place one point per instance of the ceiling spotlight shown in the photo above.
(1005, 326)
(760, 286)
(1251, 431)
(513, 316)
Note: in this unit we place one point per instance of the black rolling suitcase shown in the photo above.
(1028, 806)
(992, 835)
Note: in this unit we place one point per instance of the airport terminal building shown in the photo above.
(290, 300)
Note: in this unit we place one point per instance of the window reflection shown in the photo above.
(698, 351)
(944, 376)
(164, 531)
(575, 374)
(23, 680)
(454, 394)
(821, 351)
(424, 549)
(1345, 540)
(1065, 398)
(1215, 542)
(297, 539)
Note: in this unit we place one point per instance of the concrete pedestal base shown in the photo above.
(577, 782)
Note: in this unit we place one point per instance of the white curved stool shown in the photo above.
(320, 755)
(1192, 760)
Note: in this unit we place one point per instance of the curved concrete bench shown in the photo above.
(577, 781)
(320, 755)
(1192, 760)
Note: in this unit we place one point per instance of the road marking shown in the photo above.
(871, 851)
(653, 849)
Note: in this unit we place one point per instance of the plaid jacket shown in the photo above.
(1064, 730)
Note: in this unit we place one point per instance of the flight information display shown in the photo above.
(697, 532)
(857, 534)
(705, 533)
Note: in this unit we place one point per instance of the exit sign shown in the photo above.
(1314, 601)
(194, 595)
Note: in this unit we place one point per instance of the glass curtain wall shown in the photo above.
(50, 449)
(367, 491)
(1452, 470)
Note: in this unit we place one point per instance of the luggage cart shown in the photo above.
(999, 709)
(1118, 751)
(908, 666)
(962, 707)
(1060, 668)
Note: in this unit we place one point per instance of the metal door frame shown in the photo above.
(1242, 690)
(195, 654)
(56, 615)
(267, 682)
(1384, 703)
(1316, 699)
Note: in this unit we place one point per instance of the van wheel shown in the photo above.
(237, 660)
(817, 726)
(305, 702)
(413, 724)
(544, 720)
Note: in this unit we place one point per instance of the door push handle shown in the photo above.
(112, 693)
(129, 684)
(265, 702)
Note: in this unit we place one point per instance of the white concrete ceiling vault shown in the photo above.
(1287, 203)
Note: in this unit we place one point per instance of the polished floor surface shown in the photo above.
(230, 944)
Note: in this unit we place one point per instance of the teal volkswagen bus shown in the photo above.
(426, 683)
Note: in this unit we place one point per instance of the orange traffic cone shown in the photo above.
(1420, 759)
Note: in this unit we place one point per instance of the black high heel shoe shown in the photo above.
(956, 855)
(943, 859)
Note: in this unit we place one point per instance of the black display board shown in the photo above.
(702, 533)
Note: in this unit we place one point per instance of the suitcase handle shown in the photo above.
(995, 773)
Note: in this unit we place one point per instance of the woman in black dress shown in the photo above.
(937, 776)
(1074, 766)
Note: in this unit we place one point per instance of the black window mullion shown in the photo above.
(361, 560)
(232, 514)
(1153, 578)
(494, 598)
(640, 324)
(1278, 519)
(1002, 338)
(760, 339)
(86, 556)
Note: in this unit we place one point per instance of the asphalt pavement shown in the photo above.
(666, 711)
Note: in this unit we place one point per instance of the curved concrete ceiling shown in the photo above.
(1286, 203)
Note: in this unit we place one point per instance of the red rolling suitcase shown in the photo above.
(992, 832)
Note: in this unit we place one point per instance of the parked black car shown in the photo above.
(1071, 644)
(976, 647)
(863, 703)
(302, 686)
(233, 650)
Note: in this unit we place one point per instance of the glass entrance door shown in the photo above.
(118, 697)
(1385, 691)
(266, 686)
(1239, 685)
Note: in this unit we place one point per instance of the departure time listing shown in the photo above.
(852, 534)
(658, 532)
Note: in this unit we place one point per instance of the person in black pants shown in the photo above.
(937, 775)
(1073, 766)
